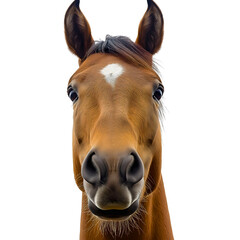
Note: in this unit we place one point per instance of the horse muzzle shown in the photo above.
(113, 183)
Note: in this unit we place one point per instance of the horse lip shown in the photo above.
(113, 213)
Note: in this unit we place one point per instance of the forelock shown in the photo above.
(123, 48)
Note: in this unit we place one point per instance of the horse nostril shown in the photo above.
(94, 169)
(131, 169)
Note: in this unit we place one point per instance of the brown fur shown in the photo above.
(115, 119)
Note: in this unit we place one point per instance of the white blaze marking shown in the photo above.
(111, 72)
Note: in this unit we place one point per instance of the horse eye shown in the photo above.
(157, 94)
(72, 93)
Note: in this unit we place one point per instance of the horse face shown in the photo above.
(116, 132)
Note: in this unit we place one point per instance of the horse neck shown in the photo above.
(154, 225)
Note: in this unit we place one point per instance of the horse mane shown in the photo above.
(124, 48)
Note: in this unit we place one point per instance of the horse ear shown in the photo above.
(150, 30)
(77, 30)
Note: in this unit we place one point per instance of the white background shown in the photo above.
(199, 64)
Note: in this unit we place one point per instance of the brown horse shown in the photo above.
(116, 132)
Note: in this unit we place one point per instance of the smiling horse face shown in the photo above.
(116, 131)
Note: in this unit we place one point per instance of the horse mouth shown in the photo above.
(113, 214)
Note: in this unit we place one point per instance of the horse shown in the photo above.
(116, 138)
